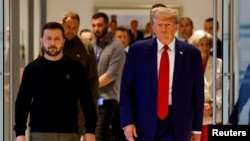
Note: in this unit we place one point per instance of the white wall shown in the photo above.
(198, 10)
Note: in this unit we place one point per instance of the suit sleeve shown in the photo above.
(198, 93)
(127, 92)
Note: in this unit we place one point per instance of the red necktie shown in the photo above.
(163, 85)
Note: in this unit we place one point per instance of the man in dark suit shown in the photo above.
(208, 26)
(134, 33)
(141, 87)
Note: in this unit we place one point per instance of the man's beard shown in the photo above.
(52, 53)
(102, 34)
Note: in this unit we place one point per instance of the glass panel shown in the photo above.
(13, 63)
(1, 70)
(236, 61)
(6, 72)
(226, 61)
(243, 27)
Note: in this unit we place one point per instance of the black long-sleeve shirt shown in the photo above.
(49, 92)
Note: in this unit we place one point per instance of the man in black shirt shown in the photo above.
(81, 51)
(208, 26)
(50, 88)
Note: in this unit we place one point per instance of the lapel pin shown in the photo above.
(78, 55)
(181, 52)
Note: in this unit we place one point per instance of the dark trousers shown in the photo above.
(105, 116)
(165, 128)
(117, 132)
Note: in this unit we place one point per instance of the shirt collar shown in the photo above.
(105, 41)
(171, 45)
(71, 42)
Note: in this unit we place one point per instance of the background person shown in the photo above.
(112, 26)
(82, 52)
(203, 41)
(208, 26)
(134, 32)
(148, 30)
(110, 58)
(186, 28)
(86, 35)
(122, 34)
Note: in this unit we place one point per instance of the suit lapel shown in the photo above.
(151, 51)
(179, 58)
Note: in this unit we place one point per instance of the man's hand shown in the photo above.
(130, 132)
(195, 137)
(21, 138)
(88, 137)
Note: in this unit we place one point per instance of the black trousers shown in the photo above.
(117, 132)
(105, 116)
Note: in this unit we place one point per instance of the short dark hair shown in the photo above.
(101, 15)
(121, 28)
(53, 25)
(158, 5)
(211, 19)
(84, 30)
(189, 19)
(113, 21)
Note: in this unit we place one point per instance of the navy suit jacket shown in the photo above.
(244, 95)
(139, 90)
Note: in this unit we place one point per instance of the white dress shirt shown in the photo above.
(171, 54)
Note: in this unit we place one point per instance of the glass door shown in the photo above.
(18, 39)
(236, 60)
(13, 53)
(242, 48)
(6, 61)
(1, 71)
